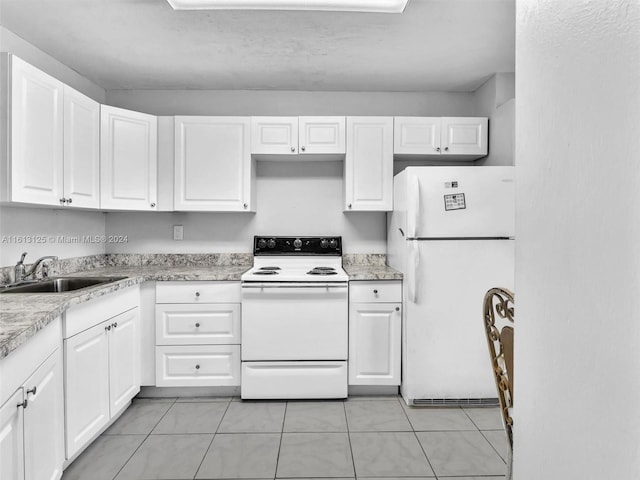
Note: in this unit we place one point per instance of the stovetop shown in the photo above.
(296, 259)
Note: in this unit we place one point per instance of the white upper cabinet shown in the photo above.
(35, 120)
(81, 150)
(213, 166)
(467, 136)
(368, 165)
(416, 135)
(128, 160)
(297, 135)
(459, 138)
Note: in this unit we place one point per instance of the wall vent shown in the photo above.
(456, 402)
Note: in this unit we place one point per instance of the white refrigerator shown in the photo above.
(451, 234)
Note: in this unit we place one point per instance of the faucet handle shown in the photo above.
(24, 254)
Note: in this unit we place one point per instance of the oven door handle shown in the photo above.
(300, 285)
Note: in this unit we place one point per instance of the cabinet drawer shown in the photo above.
(188, 324)
(197, 365)
(197, 292)
(375, 291)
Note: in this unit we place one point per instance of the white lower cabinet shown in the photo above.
(32, 418)
(375, 333)
(102, 370)
(197, 334)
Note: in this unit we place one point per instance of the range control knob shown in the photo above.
(262, 243)
(333, 243)
(297, 243)
(271, 243)
(324, 243)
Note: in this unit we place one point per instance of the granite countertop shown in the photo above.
(22, 315)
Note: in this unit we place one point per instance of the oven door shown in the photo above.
(301, 321)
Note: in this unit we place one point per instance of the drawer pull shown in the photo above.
(197, 367)
(32, 390)
(397, 309)
(375, 292)
(197, 325)
(23, 404)
(197, 294)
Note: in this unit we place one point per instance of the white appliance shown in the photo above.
(295, 319)
(451, 235)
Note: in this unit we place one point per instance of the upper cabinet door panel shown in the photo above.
(213, 169)
(369, 164)
(274, 135)
(464, 135)
(416, 135)
(128, 160)
(81, 149)
(321, 135)
(36, 135)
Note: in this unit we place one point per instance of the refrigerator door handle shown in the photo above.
(413, 207)
(412, 271)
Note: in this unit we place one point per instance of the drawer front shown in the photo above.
(205, 324)
(197, 366)
(375, 291)
(197, 292)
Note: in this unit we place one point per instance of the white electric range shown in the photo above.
(295, 319)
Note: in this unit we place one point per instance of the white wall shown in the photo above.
(578, 236)
(293, 199)
(496, 99)
(41, 231)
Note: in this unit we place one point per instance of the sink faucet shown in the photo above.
(21, 273)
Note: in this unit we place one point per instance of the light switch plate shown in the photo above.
(178, 232)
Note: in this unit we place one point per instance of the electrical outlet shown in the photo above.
(178, 232)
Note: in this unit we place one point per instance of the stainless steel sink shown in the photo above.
(60, 284)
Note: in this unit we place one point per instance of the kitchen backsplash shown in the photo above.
(66, 266)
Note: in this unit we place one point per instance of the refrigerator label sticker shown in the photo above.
(453, 184)
(454, 202)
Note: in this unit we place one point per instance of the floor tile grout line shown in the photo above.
(145, 438)
(212, 439)
(415, 434)
(346, 420)
(284, 419)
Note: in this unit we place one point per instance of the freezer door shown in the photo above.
(444, 346)
(452, 202)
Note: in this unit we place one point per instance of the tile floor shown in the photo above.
(362, 437)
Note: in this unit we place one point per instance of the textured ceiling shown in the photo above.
(445, 45)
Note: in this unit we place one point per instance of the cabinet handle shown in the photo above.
(197, 367)
(349, 206)
(197, 325)
(115, 324)
(197, 294)
(32, 390)
(302, 148)
(24, 404)
(153, 205)
(69, 200)
(245, 205)
(107, 328)
(397, 309)
(63, 201)
(437, 149)
(293, 149)
(375, 292)
(446, 149)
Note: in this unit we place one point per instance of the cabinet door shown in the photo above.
(124, 359)
(11, 438)
(86, 364)
(44, 421)
(81, 150)
(416, 135)
(374, 344)
(213, 167)
(368, 164)
(36, 135)
(465, 136)
(274, 135)
(128, 160)
(321, 135)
